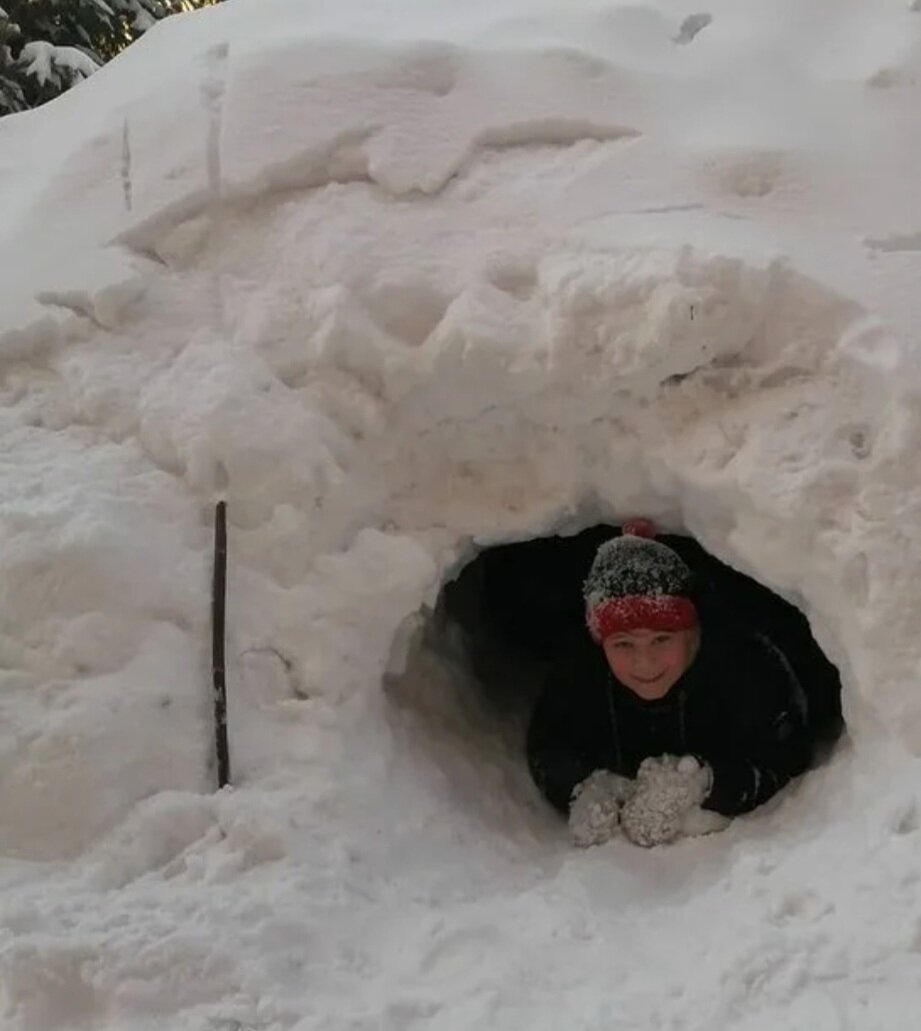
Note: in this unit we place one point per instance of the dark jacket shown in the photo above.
(739, 708)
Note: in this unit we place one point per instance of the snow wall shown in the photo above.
(401, 285)
(392, 336)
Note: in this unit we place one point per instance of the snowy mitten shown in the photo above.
(667, 789)
(595, 810)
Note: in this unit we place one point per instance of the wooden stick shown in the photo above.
(218, 593)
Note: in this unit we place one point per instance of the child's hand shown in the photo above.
(667, 789)
(595, 810)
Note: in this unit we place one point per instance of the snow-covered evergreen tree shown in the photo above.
(46, 46)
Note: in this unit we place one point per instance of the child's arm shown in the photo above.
(767, 739)
(562, 742)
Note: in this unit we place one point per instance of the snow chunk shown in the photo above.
(45, 59)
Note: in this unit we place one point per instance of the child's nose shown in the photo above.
(645, 660)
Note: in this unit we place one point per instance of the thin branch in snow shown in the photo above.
(126, 165)
(212, 93)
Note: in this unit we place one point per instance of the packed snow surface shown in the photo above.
(400, 281)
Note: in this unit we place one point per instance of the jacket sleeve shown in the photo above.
(767, 741)
(562, 743)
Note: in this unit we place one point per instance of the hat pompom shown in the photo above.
(639, 527)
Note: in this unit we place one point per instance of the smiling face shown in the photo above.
(650, 662)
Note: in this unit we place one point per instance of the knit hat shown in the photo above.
(637, 583)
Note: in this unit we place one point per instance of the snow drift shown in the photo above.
(399, 284)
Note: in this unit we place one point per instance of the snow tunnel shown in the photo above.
(516, 608)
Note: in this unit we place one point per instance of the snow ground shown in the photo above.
(400, 281)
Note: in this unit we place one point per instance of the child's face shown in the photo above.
(650, 662)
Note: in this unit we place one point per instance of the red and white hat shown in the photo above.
(638, 583)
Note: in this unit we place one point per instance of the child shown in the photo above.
(667, 708)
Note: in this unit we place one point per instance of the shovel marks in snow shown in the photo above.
(431, 68)
(532, 132)
(896, 242)
(691, 26)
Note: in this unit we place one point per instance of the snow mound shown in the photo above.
(400, 284)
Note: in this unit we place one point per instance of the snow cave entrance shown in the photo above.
(497, 626)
